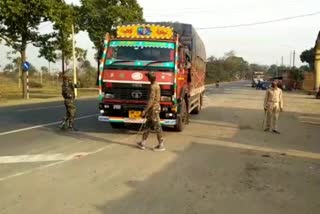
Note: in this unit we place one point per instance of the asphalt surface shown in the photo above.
(221, 163)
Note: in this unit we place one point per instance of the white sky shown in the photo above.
(263, 44)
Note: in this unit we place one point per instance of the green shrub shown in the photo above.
(34, 84)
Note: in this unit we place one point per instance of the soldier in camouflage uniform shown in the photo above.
(69, 102)
(152, 114)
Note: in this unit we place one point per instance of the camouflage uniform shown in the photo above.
(152, 114)
(152, 111)
(69, 102)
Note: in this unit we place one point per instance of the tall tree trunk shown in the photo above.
(62, 60)
(23, 76)
(98, 72)
(99, 56)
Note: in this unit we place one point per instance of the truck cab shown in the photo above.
(123, 85)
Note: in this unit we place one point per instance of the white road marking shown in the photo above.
(39, 158)
(43, 125)
(39, 108)
(126, 139)
(50, 165)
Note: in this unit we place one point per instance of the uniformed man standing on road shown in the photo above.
(273, 104)
(69, 102)
(152, 114)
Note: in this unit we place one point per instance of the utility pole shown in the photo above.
(74, 62)
(20, 74)
(281, 60)
(294, 58)
(41, 77)
(290, 59)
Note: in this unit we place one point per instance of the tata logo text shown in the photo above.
(137, 76)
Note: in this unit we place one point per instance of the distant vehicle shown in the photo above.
(256, 77)
(265, 85)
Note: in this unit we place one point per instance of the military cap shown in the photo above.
(151, 75)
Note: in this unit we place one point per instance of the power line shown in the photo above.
(260, 23)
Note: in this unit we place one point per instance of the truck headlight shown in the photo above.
(109, 96)
(165, 98)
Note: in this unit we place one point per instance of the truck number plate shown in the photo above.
(134, 114)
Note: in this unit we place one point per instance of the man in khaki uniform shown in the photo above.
(273, 104)
(152, 114)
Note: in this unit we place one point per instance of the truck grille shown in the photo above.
(125, 92)
(130, 93)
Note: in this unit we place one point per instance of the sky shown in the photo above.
(262, 44)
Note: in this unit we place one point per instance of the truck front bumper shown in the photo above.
(165, 122)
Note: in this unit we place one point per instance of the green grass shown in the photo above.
(9, 91)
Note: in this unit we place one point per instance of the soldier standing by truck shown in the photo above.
(69, 102)
(152, 114)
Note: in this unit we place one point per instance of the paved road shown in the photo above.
(221, 163)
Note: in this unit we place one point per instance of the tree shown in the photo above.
(86, 64)
(273, 70)
(33, 70)
(19, 21)
(227, 68)
(230, 54)
(305, 68)
(8, 68)
(63, 18)
(308, 56)
(44, 69)
(297, 75)
(211, 59)
(257, 67)
(98, 17)
(81, 56)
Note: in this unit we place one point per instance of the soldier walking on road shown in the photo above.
(273, 104)
(69, 102)
(152, 114)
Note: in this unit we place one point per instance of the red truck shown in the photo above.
(174, 51)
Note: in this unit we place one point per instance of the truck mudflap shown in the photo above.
(165, 122)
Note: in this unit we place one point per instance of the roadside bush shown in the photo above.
(88, 79)
(34, 84)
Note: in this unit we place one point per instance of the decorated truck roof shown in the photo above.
(166, 31)
(145, 31)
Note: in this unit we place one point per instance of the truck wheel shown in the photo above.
(198, 109)
(182, 119)
(117, 125)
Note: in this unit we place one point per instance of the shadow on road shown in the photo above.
(208, 179)
(245, 126)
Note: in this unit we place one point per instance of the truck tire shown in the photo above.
(182, 119)
(117, 125)
(198, 108)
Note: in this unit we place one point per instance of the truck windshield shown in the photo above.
(140, 54)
